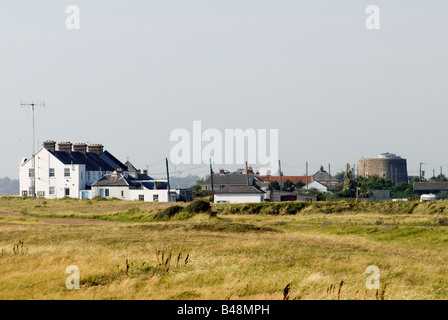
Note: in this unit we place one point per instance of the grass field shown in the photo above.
(136, 250)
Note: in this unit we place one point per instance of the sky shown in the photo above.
(137, 70)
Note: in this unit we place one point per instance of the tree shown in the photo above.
(288, 185)
(274, 185)
(348, 186)
(197, 190)
(339, 176)
(440, 177)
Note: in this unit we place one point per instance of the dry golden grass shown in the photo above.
(229, 257)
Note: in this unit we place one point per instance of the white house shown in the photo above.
(73, 170)
(315, 185)
(116, 185)
(239, 194)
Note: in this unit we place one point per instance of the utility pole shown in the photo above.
(280, 175)
(168, 178)
(247, 175)
(32, 105)
(420, 173)
(211, 176)
(307, 175)
(329, 177)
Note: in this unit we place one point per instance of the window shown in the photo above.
(155, 198)
(122, 194)
(106, 192)
(141, 197)
(52, 191)
(67, 192)
(31, 172)
(24, 193)
(66, 172)
(51, 172)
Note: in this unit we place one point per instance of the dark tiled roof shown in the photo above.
(112, 161)
(430, 186)
(229, 180)
(148, 185)
(238, 189)
(93, 162)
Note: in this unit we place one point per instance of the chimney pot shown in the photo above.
(65, 147)
(96, 148)
(80, 147)
(50, 145)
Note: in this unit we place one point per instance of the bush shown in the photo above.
(168, 213)
(198, 206)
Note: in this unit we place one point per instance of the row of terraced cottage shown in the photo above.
(87, 171)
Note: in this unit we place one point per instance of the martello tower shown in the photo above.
(387, 165)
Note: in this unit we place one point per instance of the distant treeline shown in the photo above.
(9, 186)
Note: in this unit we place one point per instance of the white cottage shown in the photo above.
(239, 194)
(116, 185)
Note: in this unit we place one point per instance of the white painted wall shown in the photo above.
(133, 194)
(44, 162)
(240, 197)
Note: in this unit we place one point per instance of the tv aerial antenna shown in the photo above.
(33, 105)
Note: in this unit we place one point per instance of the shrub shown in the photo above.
(168, 212)
(198, 206)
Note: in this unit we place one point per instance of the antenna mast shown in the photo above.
(33, 105)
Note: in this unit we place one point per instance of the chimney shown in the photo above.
(139, 171)
(50, 145)
(96, 148)
(250, 170)
(221, 171)
(145, 171)
(65, 147)
(80, 147)
(119, 171)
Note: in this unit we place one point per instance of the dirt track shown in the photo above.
(64, 221)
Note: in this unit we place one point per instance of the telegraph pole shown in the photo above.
(280, 174)
(307, 175)
(168, 178)
(247, 175)
(420, 173)
(32, 105)
(211, 176)
(329, 177)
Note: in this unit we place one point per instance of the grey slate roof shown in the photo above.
(323, 176)
(116, 180)
(130, 166)
(229, 180)
(238, 189)
(104, 162)
(431, 186)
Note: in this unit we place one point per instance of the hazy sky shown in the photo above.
(137, 70)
